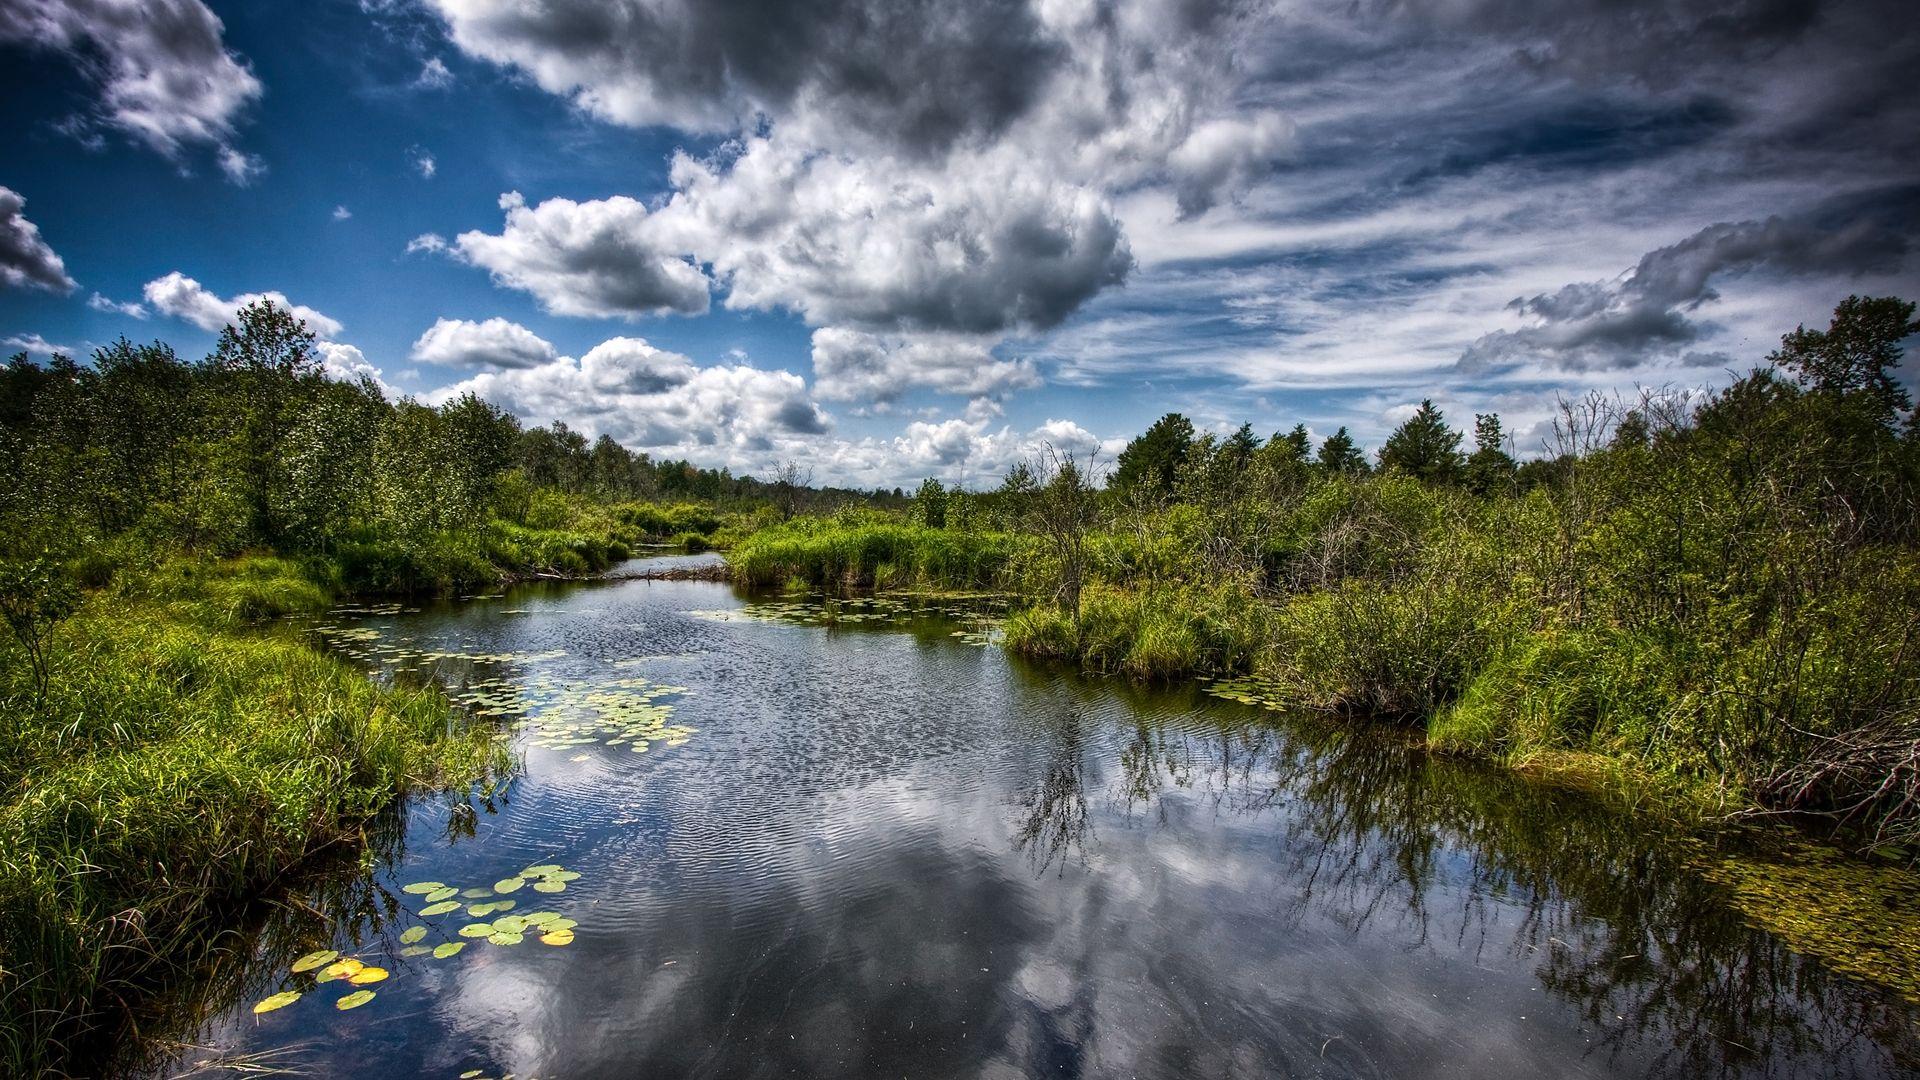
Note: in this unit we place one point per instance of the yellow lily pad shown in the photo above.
(315, 959)
(354, 1000)
(557, 937)
(278, 1001)
(339, 969)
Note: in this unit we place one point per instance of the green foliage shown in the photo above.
(1424, 447)
(855, 550)
(174, 769)
(1341, 456)
(35, 594)
(1149, 466)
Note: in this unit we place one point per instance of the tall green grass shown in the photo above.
(182, 763)
(862, 551)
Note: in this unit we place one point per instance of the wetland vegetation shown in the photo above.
(1694, 608)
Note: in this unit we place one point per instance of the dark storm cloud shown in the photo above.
(1647, 312)
(919, 74)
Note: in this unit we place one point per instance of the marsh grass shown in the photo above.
(185, 760)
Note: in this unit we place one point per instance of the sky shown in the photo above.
(892, 239)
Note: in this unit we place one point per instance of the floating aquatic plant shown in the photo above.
(278, 1001)
(315, 959)
(354, 1000)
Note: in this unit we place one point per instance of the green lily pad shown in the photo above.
(510, 924)
(541, 871)
(476, 894)
(421, 887)
(415, 950)
(507, 885)
(549, 886)
(480, 911)
(446, 949)
(560, 924)
(413, 934)
(278, 1001)
(502, 938)
(445, 892)
(478, 929)
(441, 908)
(539, 918)
(354, 1000)
(564, 875)
(315, 959)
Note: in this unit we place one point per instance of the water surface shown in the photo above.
(887, 849)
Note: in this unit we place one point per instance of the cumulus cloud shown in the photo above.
(427, 243)
(598, 258)
(184, 298)
(131, 309)
(854, 365)
(1649, 311)
(652, 399)
(434, 74)
(495, 343)
(423, 162)
(347, 363)
(164, 73)
(26, 260)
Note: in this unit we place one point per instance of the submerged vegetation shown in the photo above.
(1717, 593)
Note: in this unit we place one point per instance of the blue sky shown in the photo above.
(901, 239)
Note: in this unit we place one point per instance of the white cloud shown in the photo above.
(348, 364)
(36, 345)
(422, 161)
(658, 401)
(341, 213)
(596, 258)
(165, 76)
(184, 298)
(854, 365)
(429, 243)
(26, 260)
(434, 74)
(495, 343)
(130, 309)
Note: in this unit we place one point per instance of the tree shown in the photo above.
(1063, 509)
(789, 482)
(1239, 448)
(1339, 455)
(1150, 465)
(36, 593)
(1296, 444)
(1856, 354)
(930, 503)
(269, 357)
(1424, 447)
(1489, 469)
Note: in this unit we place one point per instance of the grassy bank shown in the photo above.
(864, 549)
(181, 761)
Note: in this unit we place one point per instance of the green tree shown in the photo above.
(1424, 447)
(1857, 353)
(35, 594)
(930, 503)
(269, 360)
(1149, 468)
(1489, 468)
(1339, 455)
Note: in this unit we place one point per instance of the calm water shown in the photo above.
(886, 850)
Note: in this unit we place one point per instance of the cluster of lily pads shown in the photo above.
(1249, 692)
(326, 966)
(477, 904)
(562, 715)
(979, 627)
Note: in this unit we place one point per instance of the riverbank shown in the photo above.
(184, 756)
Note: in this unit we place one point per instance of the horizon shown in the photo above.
(893, 248)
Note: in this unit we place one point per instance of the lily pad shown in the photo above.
(507, 885)
(557, 937)
(549, 886)
(501, 937)
(445, 892)
(415, 950)
(478, 929)
(446, 949)
(560, 924)
(539, 918)
(354, 1000)
(476, 894)
(367, 976)
(480, 911)
(441, 908)
(278, 1001)
(510, 924)
(339, 969)
(315, 959)
(564, 875)
(422, 887)
(541, 871)
(413, 934)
